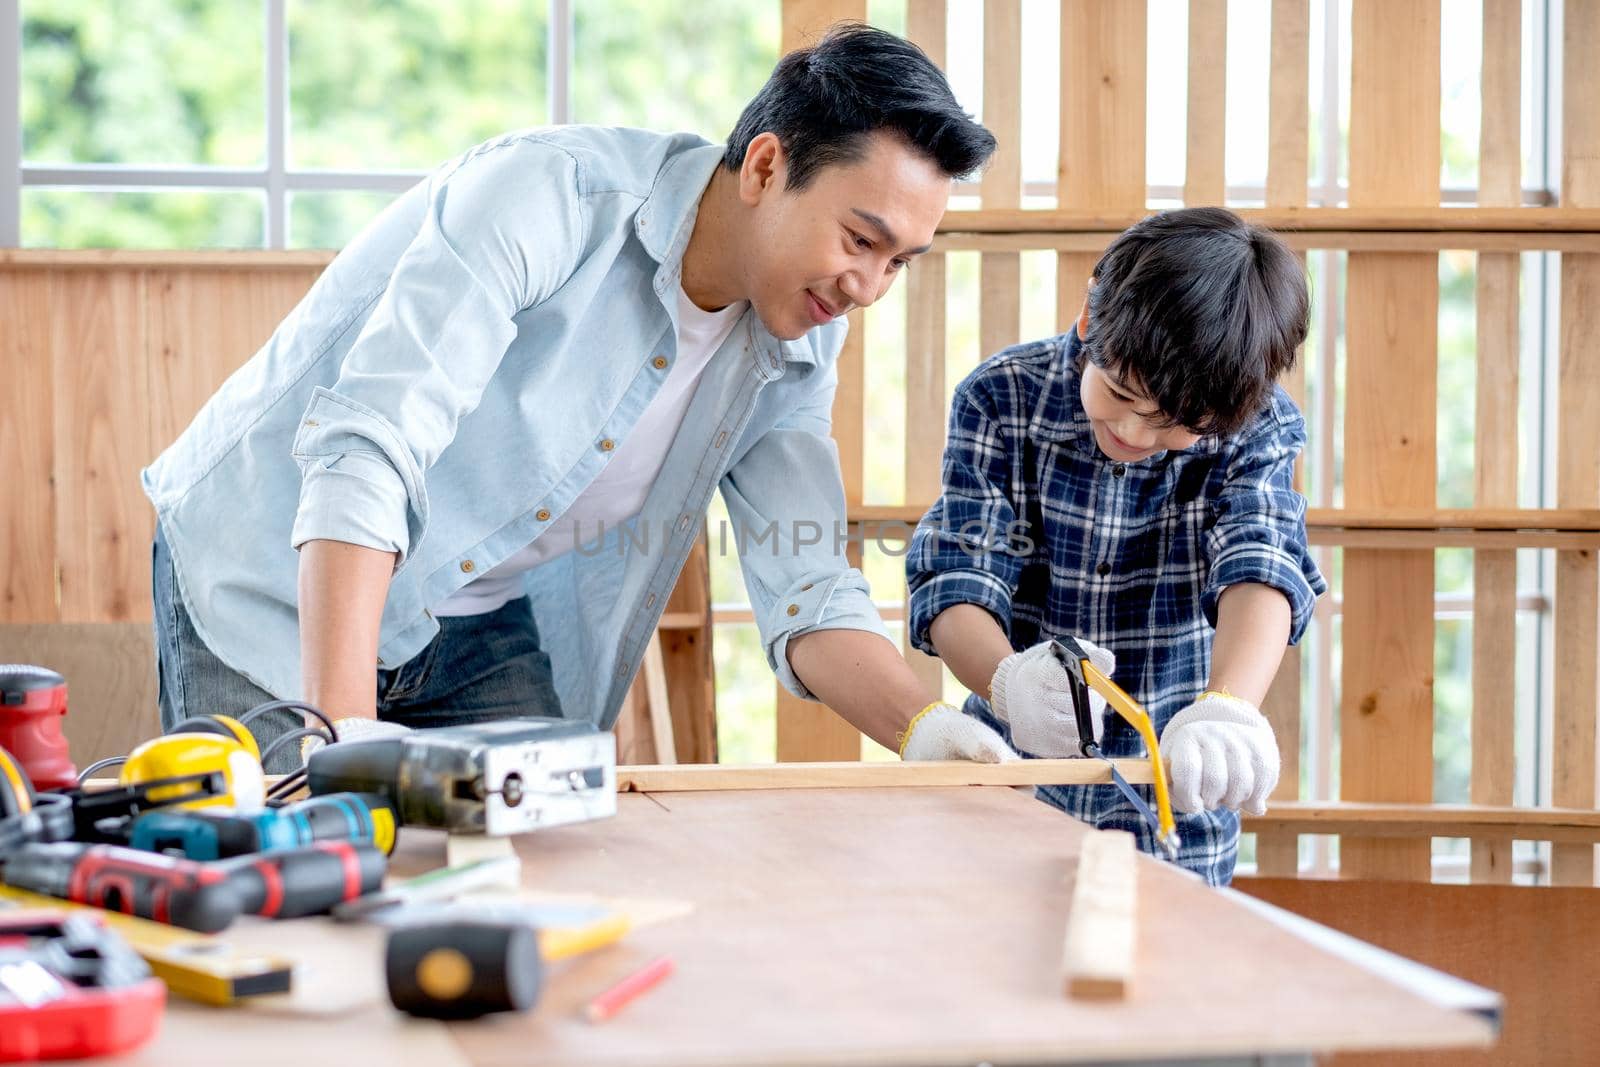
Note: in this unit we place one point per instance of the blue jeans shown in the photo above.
(477, 668)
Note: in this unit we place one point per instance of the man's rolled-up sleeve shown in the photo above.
(786, 503)
(500, 232)
(963, 549)
(1260, 531)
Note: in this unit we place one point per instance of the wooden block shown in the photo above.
(461, 849)
(1097, 956)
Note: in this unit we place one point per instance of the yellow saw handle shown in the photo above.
(1129, 709)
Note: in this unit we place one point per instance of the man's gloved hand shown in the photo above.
(1220, 752)
(943, 732)
(1033, 693)
(355, 729)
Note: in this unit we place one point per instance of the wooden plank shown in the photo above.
(1582, 521)
(1073, 271)
(104, 525)
(1424, 819)
(27, 446)
(853, 774)
(110, 668)
(174, 259)
(1102, 165)
(1000, 273)
(1369, 216)
(655, 683)
(1098, 950)
(1279, 854)
(803, 21)
(688, 659)
(204, 325)
(1577, 636)
(1534, 946)
(1095, 241)
(1204, 175)
(1494, 578)
(1386, 713)
(925, 377)
(1288, 104)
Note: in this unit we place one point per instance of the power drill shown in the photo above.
(33, 701)
(213, 833)
(206, 897)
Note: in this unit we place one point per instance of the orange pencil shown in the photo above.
(624, 992)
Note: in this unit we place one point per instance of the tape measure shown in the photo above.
(190, 756)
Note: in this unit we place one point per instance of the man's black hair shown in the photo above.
(1201, 310)
(824, 101)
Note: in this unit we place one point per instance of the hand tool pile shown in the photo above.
(192, 836)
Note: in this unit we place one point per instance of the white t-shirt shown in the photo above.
(618, 493)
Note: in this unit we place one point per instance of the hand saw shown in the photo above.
(1084, 675)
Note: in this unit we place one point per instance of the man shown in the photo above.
(565, 333)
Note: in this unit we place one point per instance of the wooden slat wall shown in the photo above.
(1386, 713)
(1578, 451)
(1000, 273)
(1494, 577)
(806, 729)
(1204, 175)
(927, 23)
(1279, 853)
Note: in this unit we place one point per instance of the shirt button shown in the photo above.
(1103, 570)
(1119, 469)
(607, 444)
(660, 363)
(722, 438)
(794, 609)
(466, 566)
(543, 514)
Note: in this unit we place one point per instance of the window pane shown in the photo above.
(82, 218)
(671, 66)
(329, 220)
(432, 79)
(143, 81)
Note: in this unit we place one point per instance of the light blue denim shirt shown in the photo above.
(456, 378)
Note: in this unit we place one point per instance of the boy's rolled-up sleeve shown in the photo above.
(1260, 531)
(961, 551)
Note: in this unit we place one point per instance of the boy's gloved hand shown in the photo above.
(942, 732)
(1033, 693)
(1220, 752)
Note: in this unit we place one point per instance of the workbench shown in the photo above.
(844, 926)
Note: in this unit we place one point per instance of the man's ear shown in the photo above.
(764, 170)
(1083, 315)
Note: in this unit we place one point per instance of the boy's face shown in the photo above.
(1128, 425)
(838, 243)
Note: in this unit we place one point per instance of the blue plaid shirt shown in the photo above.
(1038, 526)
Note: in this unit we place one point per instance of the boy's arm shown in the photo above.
(1252, 632)
(971, 643)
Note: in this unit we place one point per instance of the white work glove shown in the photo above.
(944, 732)
(1220, 752)
(1033, 693)
(355, 729)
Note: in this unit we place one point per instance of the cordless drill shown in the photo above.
(210, 834)
(199, 896)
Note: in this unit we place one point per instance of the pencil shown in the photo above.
(624, 992)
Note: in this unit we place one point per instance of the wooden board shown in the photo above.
(1532, 944)
(1000, 273)
(1204, 175)
(1102, 164)
(822, 932)
(110, 668)
(1288, 104)
(27, 450)
(848, 774)
(1098, 953)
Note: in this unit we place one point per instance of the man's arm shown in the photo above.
(1252, 633)
(342, 590)
(862, 677)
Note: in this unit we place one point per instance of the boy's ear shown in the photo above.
(1083, 315)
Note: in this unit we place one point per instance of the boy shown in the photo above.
(1130, 484)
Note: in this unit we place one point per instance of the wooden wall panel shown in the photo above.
(1494, 578)
(1000, 283)
(110, 668)
(1386, 713)
(1102, 105)
(1578, 450)
(687, 659)
(27, 449)
(1288, 104)
(104, 525)
(1204, 176)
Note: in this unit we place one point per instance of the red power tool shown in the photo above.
(33, 701)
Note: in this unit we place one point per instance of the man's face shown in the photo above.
(838, 243)
(1128, 426)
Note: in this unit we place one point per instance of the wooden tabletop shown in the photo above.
(850, 926)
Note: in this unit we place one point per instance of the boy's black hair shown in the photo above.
(1202, 310)
(822, 103)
